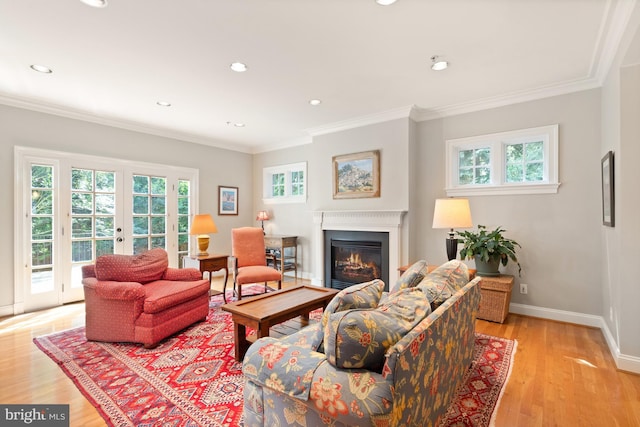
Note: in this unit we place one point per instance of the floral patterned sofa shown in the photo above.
(138, 298)
(379, 359)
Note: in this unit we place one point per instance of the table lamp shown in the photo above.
(262, 216)
(452, 213)
(202, 226)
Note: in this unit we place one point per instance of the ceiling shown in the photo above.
(366, 62)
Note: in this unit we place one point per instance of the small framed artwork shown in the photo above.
(608, 194)
(227, 200)
(356, 175)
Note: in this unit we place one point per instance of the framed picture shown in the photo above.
(227, 200)
(608, 194)
(356, 175)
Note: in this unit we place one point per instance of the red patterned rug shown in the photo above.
(192, 379)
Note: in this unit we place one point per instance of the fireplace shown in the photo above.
(355, 256)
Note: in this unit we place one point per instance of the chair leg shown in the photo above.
(237, 291)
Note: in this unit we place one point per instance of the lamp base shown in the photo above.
(452, 248)
(203, 244)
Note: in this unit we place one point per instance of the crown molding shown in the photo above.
(506, 99)
(384, 116)
(257, 149)
(48, 108)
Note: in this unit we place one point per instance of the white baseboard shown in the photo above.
(6, 310)
(623, 362)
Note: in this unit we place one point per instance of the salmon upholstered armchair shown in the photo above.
(138, 298)
(249, 259)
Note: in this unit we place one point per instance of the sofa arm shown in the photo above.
(182, 274)
(123, 291)
(282, 366)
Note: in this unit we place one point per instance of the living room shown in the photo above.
(576, 269)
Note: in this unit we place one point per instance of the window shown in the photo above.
(285, 184)
(516, 162)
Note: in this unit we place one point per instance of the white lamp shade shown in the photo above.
(452, 213)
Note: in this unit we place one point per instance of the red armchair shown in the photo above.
(137, 298)
(249, 259)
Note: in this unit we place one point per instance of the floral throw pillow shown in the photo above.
(362, 295)
(411, 277)
(359, 338)
(444, 281)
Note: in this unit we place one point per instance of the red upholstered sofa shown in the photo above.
(137, 298)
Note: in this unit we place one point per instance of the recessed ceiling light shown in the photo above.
(163, 103)
(315, 102)
(385, 2)
(41, 69)
(238, 67)
(95, 3)
(438, 64)
(239, 125)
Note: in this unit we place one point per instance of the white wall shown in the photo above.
(620, 251)
(559, 233)
(39, 130)
(390, 137)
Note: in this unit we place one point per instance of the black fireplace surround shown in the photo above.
(353, 257)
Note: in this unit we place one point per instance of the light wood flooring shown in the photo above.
(563, 374)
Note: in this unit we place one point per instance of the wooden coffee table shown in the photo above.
(264, 311)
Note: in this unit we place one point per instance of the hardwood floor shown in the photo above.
(563, 374)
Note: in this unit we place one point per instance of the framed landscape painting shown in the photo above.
(227, 200)
(356, 175)
(608, 195)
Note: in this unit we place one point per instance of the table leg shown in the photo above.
(224, 287)
(263, 331)
(240, 340)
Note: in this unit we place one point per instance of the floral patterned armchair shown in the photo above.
(373, 359)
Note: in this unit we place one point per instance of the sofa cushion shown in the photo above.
(362, 295)
(164, 294)
(411, 277)
(444, 281)
(359, 338)
(142, 268)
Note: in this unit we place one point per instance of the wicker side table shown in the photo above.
(495, 297)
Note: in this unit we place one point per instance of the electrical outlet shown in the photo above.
(523, 288)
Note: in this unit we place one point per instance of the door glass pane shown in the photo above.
(184, 191)
(42, 223)
(149, 209)
(93, 209)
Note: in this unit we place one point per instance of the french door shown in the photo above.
(76, 208)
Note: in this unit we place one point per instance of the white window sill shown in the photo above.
(503, 190)
(283, 200)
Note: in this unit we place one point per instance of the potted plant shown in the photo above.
(489, 248)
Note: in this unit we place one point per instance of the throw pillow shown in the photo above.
(142, 268)
(359, 338)
(362, 295)
(411, 277)
(444, 281)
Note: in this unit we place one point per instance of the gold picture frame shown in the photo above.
(356, 175)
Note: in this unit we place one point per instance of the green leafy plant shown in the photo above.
(489, 245)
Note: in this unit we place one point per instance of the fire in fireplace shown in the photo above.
(355, 256)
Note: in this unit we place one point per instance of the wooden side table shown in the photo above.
(210, 263)
(495, 297)
(286, 260)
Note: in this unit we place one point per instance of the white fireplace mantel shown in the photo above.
(384, 221)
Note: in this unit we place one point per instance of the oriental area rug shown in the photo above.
(192, 379)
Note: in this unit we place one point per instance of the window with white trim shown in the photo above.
(515, 162)
(285, 183)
